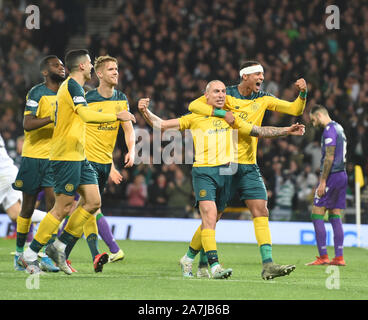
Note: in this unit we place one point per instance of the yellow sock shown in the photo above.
(47, 227)
(76, 221)
(196, 242)
(262, 230)
(90, 226)
(23, 224)
(209, 240)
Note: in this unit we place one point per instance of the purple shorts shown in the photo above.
(335, 196)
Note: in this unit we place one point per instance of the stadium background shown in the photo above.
(168, 50)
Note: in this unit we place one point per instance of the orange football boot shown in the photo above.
(99, 261)
(338, 261)
(322, 260)
(69, 263)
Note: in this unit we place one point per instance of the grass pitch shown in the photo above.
(150, 271)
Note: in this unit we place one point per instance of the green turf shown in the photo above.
(151, 271)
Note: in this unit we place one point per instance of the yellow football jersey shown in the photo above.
(40, 102)
(212, 137)
(250, 110)
(68, 140)
(101, 137)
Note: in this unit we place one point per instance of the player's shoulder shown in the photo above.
(234, 92)
(120, 95)
(37, 91)
(191, 115)
(93, 96)
(74, 87)
(334, 126)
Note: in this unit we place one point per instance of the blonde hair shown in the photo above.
(101, 60)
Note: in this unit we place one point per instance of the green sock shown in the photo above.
(191, 253)
(266, 253)
(92, 241)
(212, 258)
(203, 260)
(21, 240)
(53, 237)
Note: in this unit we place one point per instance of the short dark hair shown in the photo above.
(318, 108)
(249, 63)
(45, 61)
(72, 58)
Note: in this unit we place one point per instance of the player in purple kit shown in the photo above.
(331, 192)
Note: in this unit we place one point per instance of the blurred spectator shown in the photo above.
(179, 194)
(306, 183)
(157, 192)
(137, 192)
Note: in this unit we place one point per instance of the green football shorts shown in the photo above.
(33, 175)
(102, 171)
(249, 183)
(69, 175)
(210, 184)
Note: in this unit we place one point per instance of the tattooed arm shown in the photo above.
(327, 165)
(270, 132)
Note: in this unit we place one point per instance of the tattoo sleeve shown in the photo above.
(327, 163)
(268, 132)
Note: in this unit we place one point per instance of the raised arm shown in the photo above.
(155, 121)
(295, 108)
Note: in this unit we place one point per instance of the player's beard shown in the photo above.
(56, 78)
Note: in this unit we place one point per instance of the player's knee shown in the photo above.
(92, 205)
(27, 211)
(260, 212)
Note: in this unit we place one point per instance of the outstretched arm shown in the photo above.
(271, 132)
(245, 128)
(91, 116)
(155, 121)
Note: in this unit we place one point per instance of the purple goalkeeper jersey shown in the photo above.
(334, 135)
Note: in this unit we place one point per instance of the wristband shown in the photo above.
(219, 113)
(302, 94)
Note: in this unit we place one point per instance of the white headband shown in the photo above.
(251, 69)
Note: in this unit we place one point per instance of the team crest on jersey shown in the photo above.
(202, 193)
(217, 123)
(69, 187)
(18, 183)
(255, 106)
(243, 115)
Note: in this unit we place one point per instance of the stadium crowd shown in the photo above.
(168, 51)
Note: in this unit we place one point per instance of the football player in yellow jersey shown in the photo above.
(100, 143)
(71, 171)
(35, 171)
(211, 172)
(248, 103)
